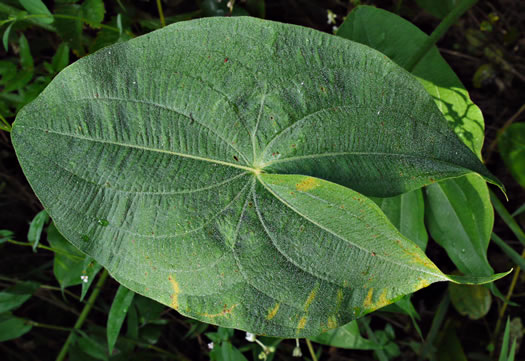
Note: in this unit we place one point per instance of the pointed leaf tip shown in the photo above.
(477, 280)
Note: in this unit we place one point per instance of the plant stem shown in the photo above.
(161, 14)
(311, 349)
(50, 327)
(47, 287)
(18, 243)
(61, 16)
(442, 28)
(83, 315)
(507, 299)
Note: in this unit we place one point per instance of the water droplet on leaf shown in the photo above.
(103, 222)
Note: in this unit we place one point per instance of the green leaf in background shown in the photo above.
(13, 297)
(70, 30)
(448, 345)
(91, 346)
(460, 220)
(520, 210)
(407, 213)
(459, 212)
(148, 309)
(439, 8)
(199, 191)
(61, 58)
(512, 151)
(256, 8)
(26, 59)
(35, 228)
(505, 353)
(68, 265)
(7, 72)
(117, 314)
(347, 336)
(37, 7)
(226, 352)
(12, 327)
(6, 235)
(470, 300)
(5, 36)
(90, 268)
(93, 11)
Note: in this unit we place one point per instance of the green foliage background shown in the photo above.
(60, 302)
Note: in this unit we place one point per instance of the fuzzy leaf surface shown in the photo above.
(206, 166)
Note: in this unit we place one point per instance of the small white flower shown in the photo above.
(331, 16)
(210, 345)
(84, 278)
(229, 5)
(250, 337)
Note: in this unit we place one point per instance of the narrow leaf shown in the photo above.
(35, 228)
(507, 218)
(13, 297)
(519, 211)
(5, 37)
(61, 58)
(37, 7)
(12, 327)
(68, 265)
(26, 59)
(117, 314)
(509, 251)
(503, 356)
(6, 235)
(90, 268)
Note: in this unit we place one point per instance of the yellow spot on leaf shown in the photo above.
(339, 298)
(383, 299)
(311, 297)
(307, 184)
(176, 291)
(301, 324)
(367, 303)
(224, 313)
(332, 322)
(273, 311)
(422, 284)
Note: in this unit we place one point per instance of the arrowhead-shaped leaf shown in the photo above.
(205, 164)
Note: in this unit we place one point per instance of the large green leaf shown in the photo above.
(184, 161)
(460, 215)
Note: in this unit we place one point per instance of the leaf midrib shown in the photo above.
(388, 260)
(135, 146)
